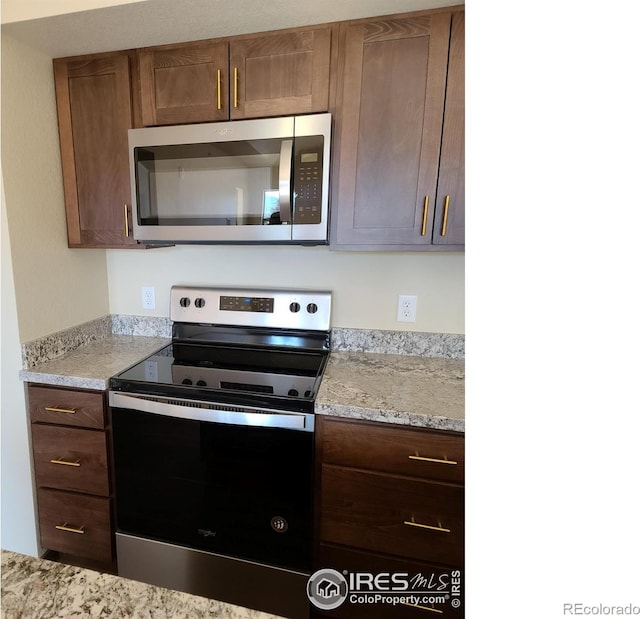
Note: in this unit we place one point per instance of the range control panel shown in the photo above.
(279, 309)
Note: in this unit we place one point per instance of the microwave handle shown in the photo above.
(284, 177)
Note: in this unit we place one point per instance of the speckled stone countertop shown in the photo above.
(39, 589)
(401, 389)
(404, 378)
(92, 365)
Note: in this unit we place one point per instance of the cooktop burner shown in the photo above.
(268, 352)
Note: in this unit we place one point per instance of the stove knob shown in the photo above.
(312, 308)
(294, 307)
(308, 394)
(201, 383)
(185, 302)
(199, 302)
(293, 392)
(187, 381)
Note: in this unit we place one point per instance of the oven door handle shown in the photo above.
(199, 411)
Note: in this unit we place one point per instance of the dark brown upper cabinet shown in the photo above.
(391, 100)
(94, 114)
(449, 211)
(244, 77)
(184, 84)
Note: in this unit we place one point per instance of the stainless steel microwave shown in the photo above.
(246, 181)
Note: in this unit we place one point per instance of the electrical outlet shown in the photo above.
(407, 308)
(148, 297)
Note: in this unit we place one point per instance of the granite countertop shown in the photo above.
(403, 389)
(92, 365)
(37, 588)
(399, 389)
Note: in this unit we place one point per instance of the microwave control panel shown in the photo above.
(307, 181)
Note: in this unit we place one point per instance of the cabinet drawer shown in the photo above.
(70, 459)
(75, 524)
(421, 577)
(67, 407)
(383, 513)
(403, 451)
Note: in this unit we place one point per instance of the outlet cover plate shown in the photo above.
(148, 297)
(407, 308)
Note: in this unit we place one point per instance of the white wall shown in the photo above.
(18, 506)
(365, 285)
(56, 287)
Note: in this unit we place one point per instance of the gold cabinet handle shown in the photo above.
(437, 460)
(433, 610)
(219, 93)
(65, 462)
(426, 526)
(126, 220)
(425, 210)
(56, 409)
(235, 87)
(445, 216)
(66, 527)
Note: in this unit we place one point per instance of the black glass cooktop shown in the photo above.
(286, 378)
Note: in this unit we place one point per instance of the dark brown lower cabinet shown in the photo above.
(390, 503)
(71, 455)
(76, 524)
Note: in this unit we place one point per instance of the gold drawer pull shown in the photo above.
(426, 526)
(65, 462)
(437, 460)
(433, 610)
(66, 527)
(57, 409)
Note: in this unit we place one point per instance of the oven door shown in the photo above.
(237, 483)
(213, 501)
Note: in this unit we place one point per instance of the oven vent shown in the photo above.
(194, 404)
(217, 407)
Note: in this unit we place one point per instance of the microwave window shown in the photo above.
(221, 184)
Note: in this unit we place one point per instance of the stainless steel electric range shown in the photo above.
(213, 440)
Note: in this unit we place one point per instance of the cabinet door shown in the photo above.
(400, 516)
(280, 74)
(94, 114)
(449, 213)
(70, 459)
(75, 523)
(388, 448)
(393, 76)
(184, 84)
(68, 407)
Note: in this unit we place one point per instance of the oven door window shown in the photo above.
(239, 491)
